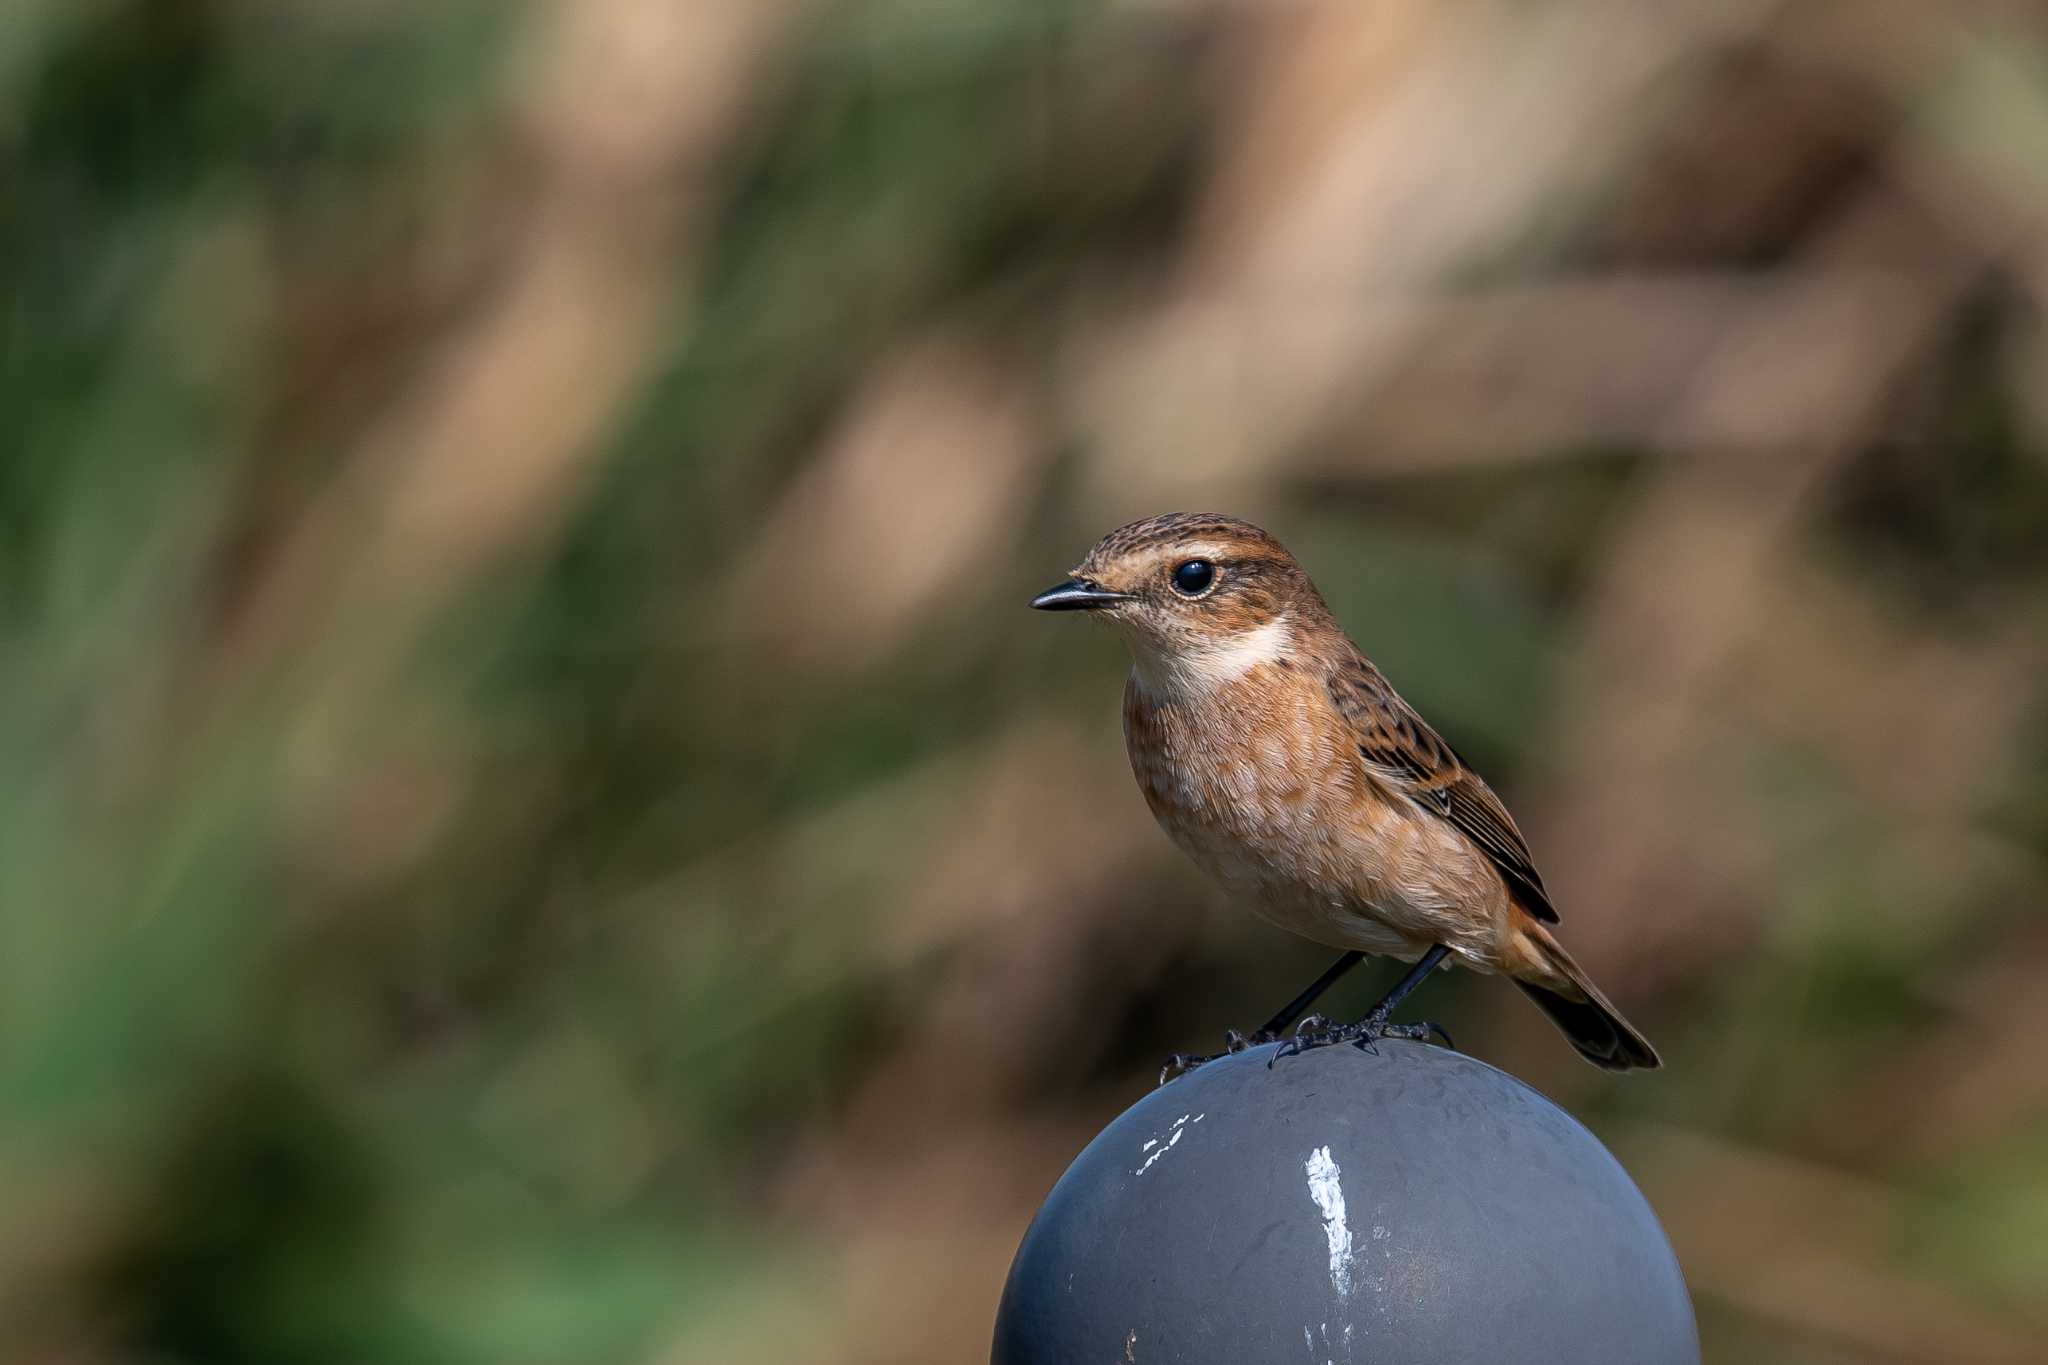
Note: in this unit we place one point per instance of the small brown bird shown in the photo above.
(1285, 764)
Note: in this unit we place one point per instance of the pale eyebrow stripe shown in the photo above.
(1204, 550)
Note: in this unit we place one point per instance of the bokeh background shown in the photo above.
(535, 825)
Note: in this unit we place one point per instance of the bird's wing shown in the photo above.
(1415, 761)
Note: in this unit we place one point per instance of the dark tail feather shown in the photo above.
(1601, 1035)
(1578, 1009)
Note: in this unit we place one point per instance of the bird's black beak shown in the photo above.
(1077, 594)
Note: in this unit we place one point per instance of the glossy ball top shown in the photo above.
(1414, 1206)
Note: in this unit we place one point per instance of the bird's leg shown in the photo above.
(1375, 1024)
(1405, 987)
(1180, 1063)
(1295, 1008)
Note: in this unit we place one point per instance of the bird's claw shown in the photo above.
(1420, 1032)
(1234, 1042)
(1311, 1033)
(1307, 1034)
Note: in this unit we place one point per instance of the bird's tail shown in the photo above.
(1580, 1011)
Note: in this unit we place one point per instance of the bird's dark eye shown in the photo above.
(1193, 578)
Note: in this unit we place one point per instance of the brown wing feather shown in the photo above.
(1414, 760)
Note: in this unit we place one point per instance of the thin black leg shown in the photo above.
(1233, 1041)
(1375, 1024)
(1298, 1006)
(1406, 985)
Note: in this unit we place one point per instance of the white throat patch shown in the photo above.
(1212, 664)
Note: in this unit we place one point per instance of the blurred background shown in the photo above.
(535, 824)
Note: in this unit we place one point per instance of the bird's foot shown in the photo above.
(1234, 1042)
(1314, 1032)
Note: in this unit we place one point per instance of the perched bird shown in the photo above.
(1283, 762)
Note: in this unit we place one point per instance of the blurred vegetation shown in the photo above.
(535, 826)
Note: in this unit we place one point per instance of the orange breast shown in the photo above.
(1261, 784)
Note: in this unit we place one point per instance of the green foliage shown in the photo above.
(637, 892)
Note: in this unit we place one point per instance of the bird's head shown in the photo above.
(1199, 598)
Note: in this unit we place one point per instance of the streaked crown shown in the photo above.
(1199, 565)
(1200, 597)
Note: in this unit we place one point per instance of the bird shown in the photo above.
(1279, 758)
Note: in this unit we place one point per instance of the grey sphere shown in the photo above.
(1413, 1207)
